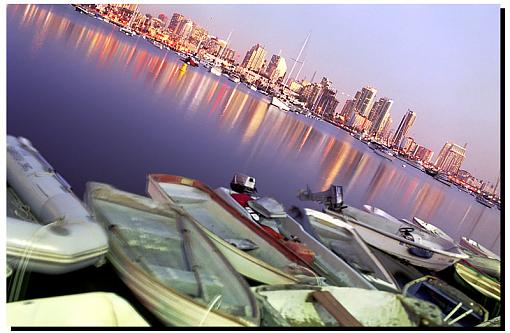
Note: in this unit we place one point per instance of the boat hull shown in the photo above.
(279, 104)
(398, 246)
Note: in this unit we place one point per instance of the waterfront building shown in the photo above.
(404, 126)
(364, 100)
(383, 105)
(358, 122)
(184, 29)
(254, 59)
(326, 103)
(277, 68)
(175, 21)
(295, 86)
(163, 19)
(310, 93)
(387, 128)
(228, 55)
(156, 23)
(198, 34)
(423, 154)
(380, 114)
(346, 109)
(409, 146)
(131, 7)
(450, 158)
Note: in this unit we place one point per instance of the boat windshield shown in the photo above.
(164, 243)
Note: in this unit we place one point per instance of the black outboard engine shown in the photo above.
(332, 199)
(243, 184)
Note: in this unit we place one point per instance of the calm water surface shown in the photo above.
(102, 106)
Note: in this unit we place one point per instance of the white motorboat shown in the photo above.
(279, 104)
(128, 31)
(395, 237)
(384, 153)
(477, 248)
(89, 309)
(169, 263)
(49, 230)
(427, 227)
(234, 78)
(216, 70)
(252, 87)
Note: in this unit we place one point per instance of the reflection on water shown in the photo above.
(235, 123)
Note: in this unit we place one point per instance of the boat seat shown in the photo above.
(183, 194)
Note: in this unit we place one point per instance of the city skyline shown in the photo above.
(445, 79)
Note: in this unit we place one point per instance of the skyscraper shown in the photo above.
(450, 158)
(185, 29)
(254, 59)
(379, 114)
(276, 68)
(364, 100)
(175, 21)
(404, 126)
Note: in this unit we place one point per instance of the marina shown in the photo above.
(141, 218)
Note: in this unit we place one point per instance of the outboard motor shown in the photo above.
(332, 199)
(243, 184)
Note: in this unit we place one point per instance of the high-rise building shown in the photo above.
(346, 110)
(364, 100)
(379, 114)
(163, 18)
(409, 146)
(423, 154)
(450, 158)
(276, 68)
(404, 126)
(310, 93)
(326, 103)
(254, 59)
(184, 30)
(131, 7)
(175, 21)
(198, 34)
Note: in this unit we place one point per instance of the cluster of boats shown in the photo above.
(194, 256)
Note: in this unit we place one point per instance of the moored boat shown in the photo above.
(269, 215)
(251, 251)
(128, 31)
(477, 248)
(311, 306)
(279, 104)
(216, 70)
(49, 230)
(483, 201)
(457, 308)
(396, 237)
(234, 78)
(484, 284)
(343, 240)
(443, 178)
(386, 153)
(169, 263)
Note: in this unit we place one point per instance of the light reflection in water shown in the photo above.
(257, 127)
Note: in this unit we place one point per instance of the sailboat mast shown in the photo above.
(297, 59)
